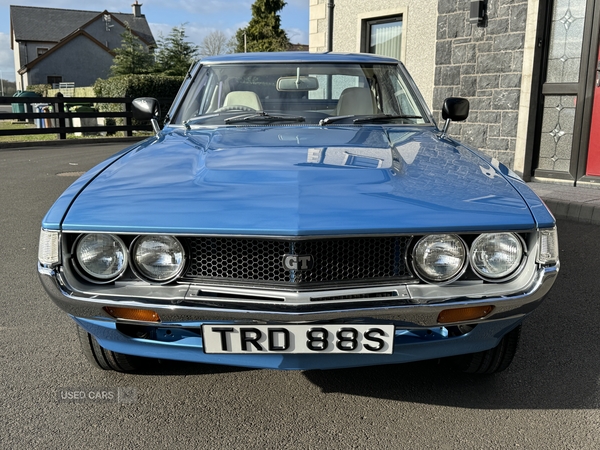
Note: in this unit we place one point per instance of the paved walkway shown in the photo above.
(580, 204)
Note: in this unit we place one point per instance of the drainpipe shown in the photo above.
(330, 7)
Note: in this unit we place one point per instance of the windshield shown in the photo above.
(297, 93)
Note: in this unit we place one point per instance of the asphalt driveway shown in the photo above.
(548, 399)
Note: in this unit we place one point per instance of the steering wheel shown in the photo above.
(234, 108)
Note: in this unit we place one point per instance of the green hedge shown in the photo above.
(157, 86)
(41, 89)
(77, 92)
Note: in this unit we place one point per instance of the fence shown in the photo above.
(62, 122)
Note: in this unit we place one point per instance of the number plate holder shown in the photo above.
(298, 339)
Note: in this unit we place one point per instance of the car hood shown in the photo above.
(299, 180)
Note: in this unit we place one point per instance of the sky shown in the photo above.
(199, 16)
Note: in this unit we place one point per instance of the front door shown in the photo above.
(593, 160)
(569, 38)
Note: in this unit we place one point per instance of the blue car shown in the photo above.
(299, 211)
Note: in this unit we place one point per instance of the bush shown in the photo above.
(87, 91)
(158, 86)
(41, 89)
(138, 86)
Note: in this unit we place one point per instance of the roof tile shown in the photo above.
(31, 23)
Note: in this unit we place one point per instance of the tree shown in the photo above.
(8, 88)
(175, 55)
(263, 33)
(215, 43)
(132, 57)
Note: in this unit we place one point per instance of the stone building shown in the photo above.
(530, 69)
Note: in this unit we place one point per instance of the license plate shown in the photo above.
(261, 339)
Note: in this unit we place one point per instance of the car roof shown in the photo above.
(299, 57)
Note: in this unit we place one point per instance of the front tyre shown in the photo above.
(490, 361)
(107, 359)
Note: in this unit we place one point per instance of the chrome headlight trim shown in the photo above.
(175, 251)
(513, 269)
(120, 257)
(428, 242)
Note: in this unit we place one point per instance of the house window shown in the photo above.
(41, 50)
(383, 36)
(54, 80)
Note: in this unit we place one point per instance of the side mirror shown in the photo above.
(455, 108)
(147, 108)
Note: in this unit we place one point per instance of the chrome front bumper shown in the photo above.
(414, 307)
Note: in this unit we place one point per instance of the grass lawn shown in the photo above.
(10, 125)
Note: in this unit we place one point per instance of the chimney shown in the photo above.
(137, 9)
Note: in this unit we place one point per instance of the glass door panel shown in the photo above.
(566, 39)
(556, 142)
(563, 87)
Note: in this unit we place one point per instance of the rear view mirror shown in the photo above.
(297, 83)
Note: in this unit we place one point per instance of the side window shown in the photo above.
(341, 82)
(335, 84)
(54, 80)
(321, 93)
(192, 106)
(404, 101)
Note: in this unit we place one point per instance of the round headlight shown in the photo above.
(496, 255)
(158, 258)
(440, 258)
(102, 256)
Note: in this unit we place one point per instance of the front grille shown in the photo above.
(339, 261)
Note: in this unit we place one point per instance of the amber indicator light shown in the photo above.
(462, 314)
(145, 315)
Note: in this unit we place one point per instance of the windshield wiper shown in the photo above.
(264, 117)
(196, 119)
(331, 119)
(384, 118)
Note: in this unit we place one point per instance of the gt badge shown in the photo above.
(297, 262)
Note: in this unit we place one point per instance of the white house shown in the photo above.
(62, 45)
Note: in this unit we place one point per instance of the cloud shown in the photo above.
(194, 31)
(296, 3)
(297, 36)
(7, 65)
(110, 5)
(205, 7)
(160, 29)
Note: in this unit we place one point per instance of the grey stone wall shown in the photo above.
(483, 64)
